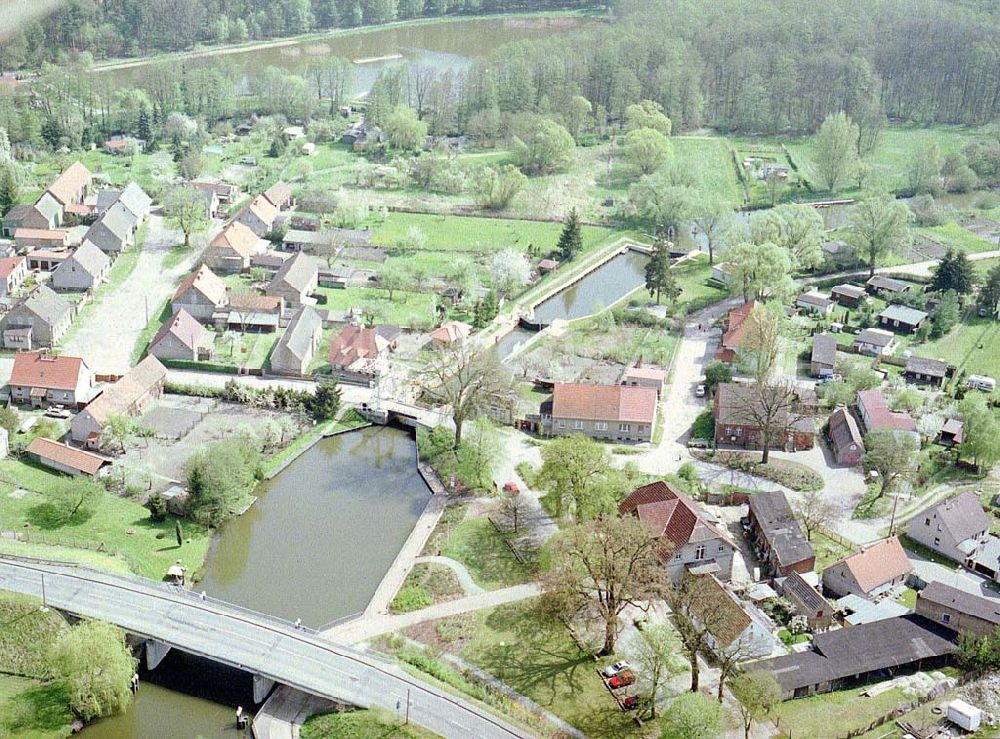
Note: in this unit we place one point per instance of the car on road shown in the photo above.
(699, 392)
(621, 680)
(511, 487)
(612, 670)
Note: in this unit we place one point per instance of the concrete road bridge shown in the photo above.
(272, 650)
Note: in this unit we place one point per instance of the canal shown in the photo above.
(314, 546)
(599, 289)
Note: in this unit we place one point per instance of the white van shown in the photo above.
(981, 382)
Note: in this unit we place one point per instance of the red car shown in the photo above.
(621, 680)
(630, 703)
(511, 487)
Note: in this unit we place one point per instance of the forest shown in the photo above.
(737, 66)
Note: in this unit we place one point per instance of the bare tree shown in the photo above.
(814, 511)
(604, 565)
(418, 82)
(513, 507)
(469, 384)
(656, 658)
(761, 343)
(770, 405)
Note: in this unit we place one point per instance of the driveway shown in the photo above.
(109, 331)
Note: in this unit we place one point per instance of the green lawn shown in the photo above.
(121, 525)
(692, 277)
(405, 308)
(534, 653)
(477, 545)
(827, 551)
(709, 160)
(832, 715)
(88, 557)
(361, 724)
(30, 709)
(972, 345)
(952, 234)
(908, 598)
(249, 350)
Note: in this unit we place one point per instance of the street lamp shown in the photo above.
(44, 608)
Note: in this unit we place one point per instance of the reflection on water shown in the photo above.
(599, 289)
(323, 532)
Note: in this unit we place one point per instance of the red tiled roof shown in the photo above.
(53, 234)
(237, 237)
(735, 329)
(878, 564)
(356, 343)
(206, 282)
(69, 183)
(879, 415)
(37, 369)
(8, 265)
(451, 331)
(184, 327)
(77, 459)
(79, 209)
(669, 514)
(604, 402)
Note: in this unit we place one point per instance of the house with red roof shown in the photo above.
(736, 328)
(688, 538)
(614, 412)
(65, 458)
(130, 396)
(258, 215)
(201, 294)
(360, 354)
(232, 248)
(869, 573)
(13, 273)
(41, 379)
(180, 337)
(450, 332)
(72, 185)
(876, 416)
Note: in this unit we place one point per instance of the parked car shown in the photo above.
(630, 703)
(612, 670)
(57, 411)
(511, 487)
(699, 392)
(621, 680)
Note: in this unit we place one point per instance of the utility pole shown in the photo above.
(407, 707)
(44, 608)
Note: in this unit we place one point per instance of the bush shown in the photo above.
(157, 507)
(410, 598)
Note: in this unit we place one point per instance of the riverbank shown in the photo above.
(113, 65)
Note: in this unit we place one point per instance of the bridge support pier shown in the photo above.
(261, 687)
(155, 652)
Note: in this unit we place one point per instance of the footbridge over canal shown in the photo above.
(274, 651)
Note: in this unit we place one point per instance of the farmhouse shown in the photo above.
(876, 416)
(136, 201)
(870, 572)
(902, 319)
(874, 341)
(66, 459)
(40, 320)
(823, 360)
(42, 379)
(986, 558)
(952, 433)
(201, 294)
(180, 337)
(733, 630)
(295, 280)
(46, 213)
(778, 538)
(280, 195)
(258, 215)
(645, 377)
(232, 248)
(299, 239)
(115, 230)
(844, 657)
(72, 185)
(738, 410)
(922, 371)
(40, 238)
(13, 273)
(954, 528)
(450, 332)
(845, 438)
(613, 412)
(958, 610)
(249, 311)
(297, 346)
(85, 269)
(46, 260)
(736, 328)
(849, 296)
(359, 354)
(130, 397)
(688, 538)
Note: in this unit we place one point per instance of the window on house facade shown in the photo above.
(600, 426)
(699, 553)
(937, 540)
(562, 424)
(624, 427)
(927, 522)
(578, 424)
(946, 618)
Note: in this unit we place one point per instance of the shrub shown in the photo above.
(411, 598)
(157, 507)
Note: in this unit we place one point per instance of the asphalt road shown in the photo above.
(258, 644)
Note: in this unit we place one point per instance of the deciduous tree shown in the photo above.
(547, 147)
(878, 224)
(836, 153)
(572, 467)
(645, 150)
(604, 566)
(761, 271)
(713, 216)
(185, 210)
(496, 187)
(814, 511)
(693, 716)
(757, 693)
(890, 455)
(95, 663)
